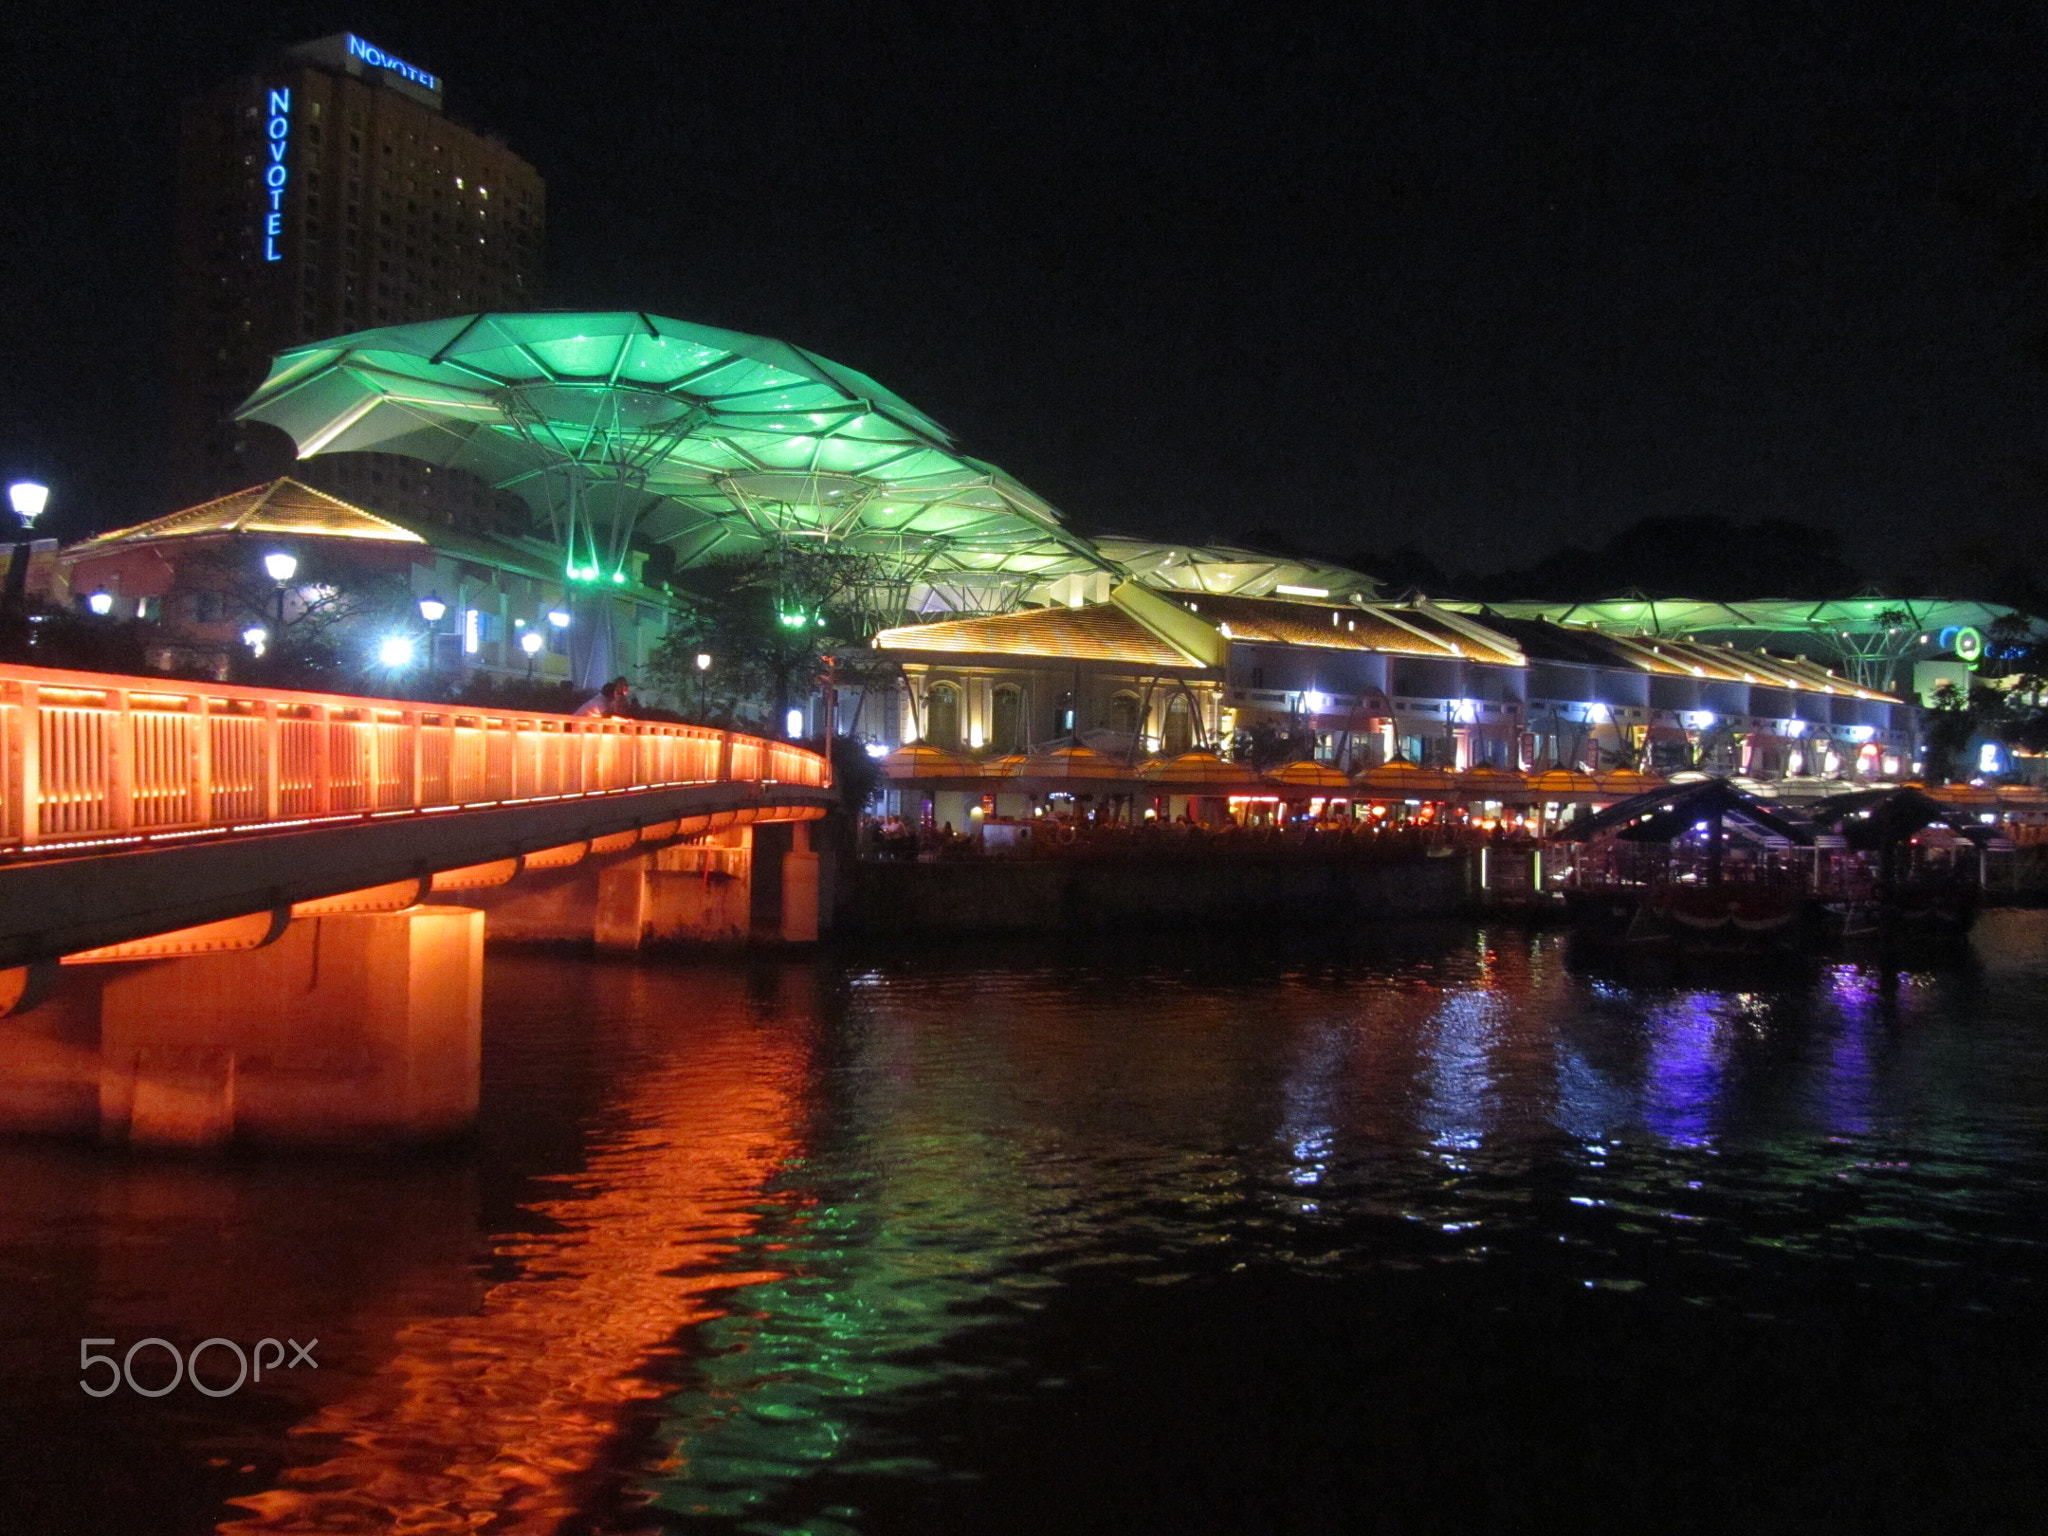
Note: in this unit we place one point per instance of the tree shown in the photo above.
(340, 603)
(1947, 725)
(767, 622)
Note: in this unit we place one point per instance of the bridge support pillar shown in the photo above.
(620, 921)
(800, 886)
(362, 1028)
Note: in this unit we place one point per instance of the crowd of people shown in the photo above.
(1084, 835)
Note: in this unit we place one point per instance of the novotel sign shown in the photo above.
(377, 58)
(277, 137)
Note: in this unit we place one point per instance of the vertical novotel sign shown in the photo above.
(277, 137)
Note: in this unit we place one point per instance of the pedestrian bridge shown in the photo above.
(190, 871)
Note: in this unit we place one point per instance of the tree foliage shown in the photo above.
(767, 622)
(339, 606)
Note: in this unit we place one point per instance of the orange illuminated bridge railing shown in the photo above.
(94, 759)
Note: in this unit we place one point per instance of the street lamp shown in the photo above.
(27, 498)
(703, 680)
(531, 642)
(395, 651)
(254, 637)
(282, 567)
(101, 603)
(431, 609)
(558, 618)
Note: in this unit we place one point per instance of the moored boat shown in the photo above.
(1706, 868)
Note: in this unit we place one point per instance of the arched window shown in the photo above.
(1179, 733)
(1123, 712)
(942, 716)
(1006, 720)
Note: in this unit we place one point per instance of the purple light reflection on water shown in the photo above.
(1682, 1079)
(1849, 1090)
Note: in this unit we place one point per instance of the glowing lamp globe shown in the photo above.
(28, 498)
(395, 650)
(101, 603)
(531, 642)
(432, 608)
(280, 565)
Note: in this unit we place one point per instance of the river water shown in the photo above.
(1426, 1231)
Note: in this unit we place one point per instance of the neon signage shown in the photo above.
(277, 137)
(377, 58)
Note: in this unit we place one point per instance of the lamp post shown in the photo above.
(703, 682)
(281, 568)
(531, 642)
(26, 498)
(101, 603)
(432, 609)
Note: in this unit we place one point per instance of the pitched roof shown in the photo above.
(1583, 645)
(283, 507)
(1402, 631)
(1100, 632)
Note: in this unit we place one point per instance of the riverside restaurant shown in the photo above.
(1177, 708)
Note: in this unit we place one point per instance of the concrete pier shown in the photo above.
(729, 887)
(356, 1019)
(354, 1029)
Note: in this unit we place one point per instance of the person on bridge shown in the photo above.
(614, 698)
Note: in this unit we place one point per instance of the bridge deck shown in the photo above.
(130, 806)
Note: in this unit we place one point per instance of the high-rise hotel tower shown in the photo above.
(324, 194)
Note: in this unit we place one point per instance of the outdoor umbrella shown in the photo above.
(1489, 783)
(1399, 779)
(1306, 779)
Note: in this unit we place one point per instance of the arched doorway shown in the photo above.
(1006, 720)
(942, 716)
(1178, 733)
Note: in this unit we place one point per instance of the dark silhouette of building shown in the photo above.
(322, 194)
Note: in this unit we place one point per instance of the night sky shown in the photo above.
(1483, 280)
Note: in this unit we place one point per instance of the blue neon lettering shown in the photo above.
(377, 58)
(279, 129)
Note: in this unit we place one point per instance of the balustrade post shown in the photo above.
(25, 764)
(323, 767)
(272, 762)
(199, 758)
(724, 756)
(416, 739)
(120, 765)
(366, 733)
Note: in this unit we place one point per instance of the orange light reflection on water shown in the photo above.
(499, 1417)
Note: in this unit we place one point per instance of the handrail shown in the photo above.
(90, 758)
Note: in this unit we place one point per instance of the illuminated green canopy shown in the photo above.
(616, 426)
(1871, 638)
